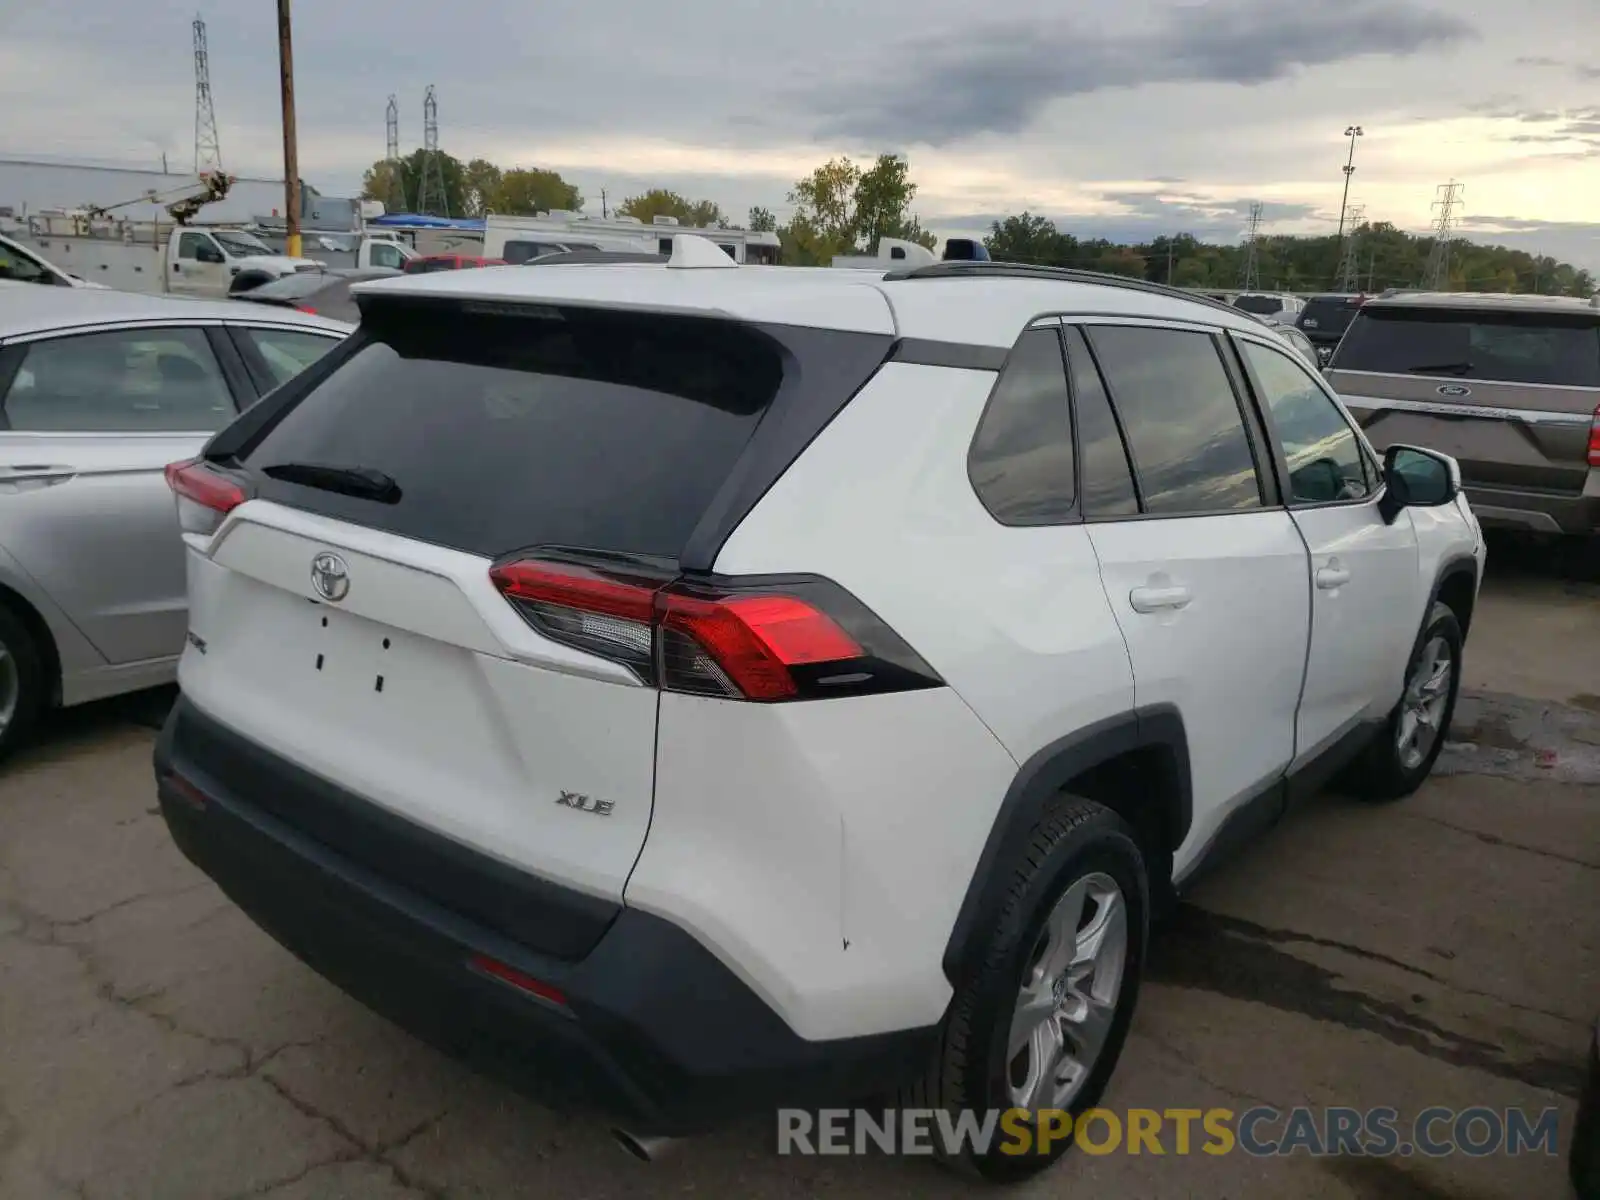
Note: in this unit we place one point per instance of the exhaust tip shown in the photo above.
(645, 1149)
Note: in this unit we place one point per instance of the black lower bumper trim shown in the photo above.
(656, 1032)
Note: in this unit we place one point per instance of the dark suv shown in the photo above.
(1324, 320)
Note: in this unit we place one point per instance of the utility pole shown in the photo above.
(1438, 272)
(1249, 278)
(207, 152)
(1352, 132)
(1169, 262)
(291, 155)
(1372, 269)
(603, 214)
(1350, 263)
(395, 201)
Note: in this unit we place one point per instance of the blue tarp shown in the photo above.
(418, 221)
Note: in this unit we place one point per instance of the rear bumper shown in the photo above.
(1536, 512)
(648, 1027)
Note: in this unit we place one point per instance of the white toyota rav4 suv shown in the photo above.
(691, 687)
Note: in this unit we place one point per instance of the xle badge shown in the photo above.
(577, 800)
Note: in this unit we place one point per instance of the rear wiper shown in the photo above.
(364, 482)
(1449, 368)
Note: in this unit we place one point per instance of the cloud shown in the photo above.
(998, 79)
(1539, 60)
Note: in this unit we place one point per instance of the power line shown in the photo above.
(1249, 277)
(1437, 274)
(207, 150)
(1350, 263)
(430, 192)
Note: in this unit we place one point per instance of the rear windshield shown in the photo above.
(1525, 347)
(1327, 315)
(593, 430)
(1260, 305)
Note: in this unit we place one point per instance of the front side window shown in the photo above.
(386, 254)
(1324, 455)
(193, 246)
(1020, 462)
(1182, 420)
(131, 381)
(22, 269)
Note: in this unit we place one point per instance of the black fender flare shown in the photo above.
(1449, 568)
(1046, 773)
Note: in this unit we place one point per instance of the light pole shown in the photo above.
(1349, 169)
(291, 163)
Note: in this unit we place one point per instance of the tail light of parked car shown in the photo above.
(1594, 439)
(789, 638)
(204, 497)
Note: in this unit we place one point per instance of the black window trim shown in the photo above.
(1116, 422)
(1074, 513)
(1266, 480)
(234, 369)
(1280, 461)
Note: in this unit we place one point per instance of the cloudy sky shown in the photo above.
(1122, 118)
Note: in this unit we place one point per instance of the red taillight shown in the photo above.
(204, 497)
(775, 644)
(1594, 439)
(305, 309)
(753, 641)
(520, 980)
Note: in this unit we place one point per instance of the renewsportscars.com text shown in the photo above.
(1260, 1132)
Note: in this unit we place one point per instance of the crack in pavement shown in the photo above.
(1223, 956)
(1494, 839)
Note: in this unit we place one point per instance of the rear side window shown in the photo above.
(1181, 417)
(1104, 476)
(1510, 347)
(285, 353)
(592, 430)
(1020, 462)
(130, 381)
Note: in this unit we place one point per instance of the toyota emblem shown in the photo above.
(330, 576)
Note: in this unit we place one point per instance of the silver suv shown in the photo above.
(1508, 385)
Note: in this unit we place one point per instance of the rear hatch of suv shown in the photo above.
(366, 609)
(1511, 392)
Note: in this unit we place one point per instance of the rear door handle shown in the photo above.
(25, 472)
(1154, 599)
(1332, 576)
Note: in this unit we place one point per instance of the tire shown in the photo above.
(1583, 1159)
(1078, 849)
(22, 682)
(1386, 771)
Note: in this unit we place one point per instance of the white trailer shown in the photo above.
(522, 239)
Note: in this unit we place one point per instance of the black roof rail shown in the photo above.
(957, 269)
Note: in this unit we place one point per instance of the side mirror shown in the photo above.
(1417, 478)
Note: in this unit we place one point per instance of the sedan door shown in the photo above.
(90, 421)
(1363, 570)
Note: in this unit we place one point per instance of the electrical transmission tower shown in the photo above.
(1350, 262)
(395, 201)
(207, 152)
(430, 191)
(1449, 201)
(1250, 277)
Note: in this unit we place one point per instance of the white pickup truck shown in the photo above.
(189, 261)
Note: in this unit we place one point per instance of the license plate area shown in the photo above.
(351, 655)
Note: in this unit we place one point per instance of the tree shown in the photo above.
(524, 192)
(1024, 239)
(882, 202)
(481, 182)
(660, 202)
(762, 221)
(838, 207)
(376, 182)
(379, 183)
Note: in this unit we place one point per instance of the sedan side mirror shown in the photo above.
(1417, 478)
